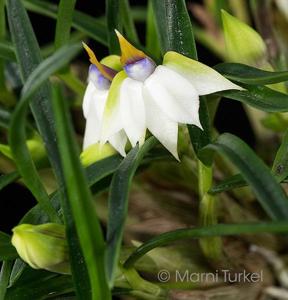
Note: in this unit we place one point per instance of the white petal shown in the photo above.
(132, 109)
(119, 141)
(94, 116)
(205, 79)
(88, 98)
(163, 128)
(92, 129)
(175, 95)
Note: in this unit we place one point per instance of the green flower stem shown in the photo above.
(4, 277)
(140, 284)
(211, 246)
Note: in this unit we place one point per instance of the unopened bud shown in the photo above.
(42, 246)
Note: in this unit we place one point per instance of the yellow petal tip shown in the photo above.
(129, 53)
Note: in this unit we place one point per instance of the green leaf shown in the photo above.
(250, 75)
(233, 182)
(93, 27)
(259, 97)
(17, 135)
(280, 164)
(28, 58)
(128, 22)
(113, 19)
(5, 116)
(268, 191)
(118, 203)
(64, 21)
(40, 287)
(4, 278)
(7, 251)
(7, 51)
(80, 200)
(6, 179)
(174, 27)
(152, 42)
(209, 231)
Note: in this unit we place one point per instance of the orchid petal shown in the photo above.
(205, 79)
(111, 122)
(175, 95)
(94, 116)
(162, 127)
(119, 141)
(132, 109)
(88, 96)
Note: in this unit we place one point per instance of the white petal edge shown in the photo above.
(119, 141)
(205, 79)
(132, 110)
(163, 128)
(88, 98)
(175, 95)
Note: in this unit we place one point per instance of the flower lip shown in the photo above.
(141, 69)
(104, 70)
(95, 76)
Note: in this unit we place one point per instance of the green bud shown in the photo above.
(95, 153)
(42, 246)
(243, 43)
(112, 61)
(36, 148)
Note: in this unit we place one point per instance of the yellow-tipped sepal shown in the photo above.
(129, 54)
(106, 71)
(43, 246)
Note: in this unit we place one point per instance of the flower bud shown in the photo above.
(243, 43)
(42, 246)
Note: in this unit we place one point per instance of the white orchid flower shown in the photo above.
(99, 81)
(158, 98)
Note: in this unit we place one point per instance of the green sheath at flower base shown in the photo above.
(96, 152)
(243, 43)
(42, 246)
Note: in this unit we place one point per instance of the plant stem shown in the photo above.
(211, 246)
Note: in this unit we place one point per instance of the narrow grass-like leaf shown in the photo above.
(128, 22)
(7, 251)
(209, 231)
(6, 179)
(64, 21)
(93, 27)
(28, 57)
(250, 75)
(7, 51)
(4, 277)
(268, 191)
(280, 164)
(152, 42)
(118, 203)
(260, 97)
(5, 116)
(233, 182)
(113, 19)
(174, 27)
(17, 134)
(40, 288)
(80, 200)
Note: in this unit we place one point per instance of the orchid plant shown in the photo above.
(125, 155)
